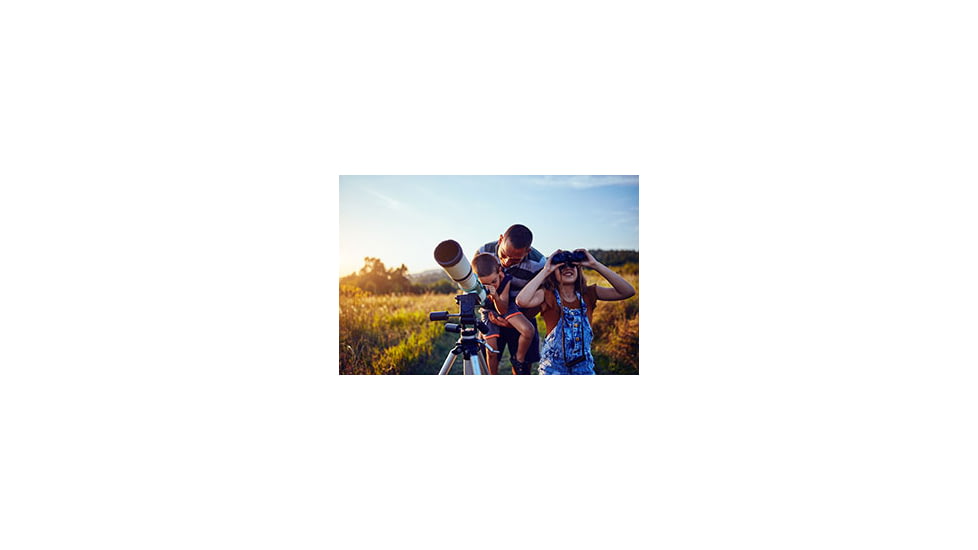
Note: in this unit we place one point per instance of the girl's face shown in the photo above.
(567, 274)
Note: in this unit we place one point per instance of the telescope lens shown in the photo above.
(448, 253)
(450, 257)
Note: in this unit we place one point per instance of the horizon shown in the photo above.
(593, 212)
(440, 270)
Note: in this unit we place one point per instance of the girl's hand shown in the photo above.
(549, 267)
(590, 262)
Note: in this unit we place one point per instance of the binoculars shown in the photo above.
(564, 257)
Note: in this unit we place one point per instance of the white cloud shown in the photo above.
(585, 182)
(393, 204)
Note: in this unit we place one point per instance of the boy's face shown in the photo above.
(493, 279)
(510, 256)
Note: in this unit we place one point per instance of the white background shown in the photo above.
(168, 204)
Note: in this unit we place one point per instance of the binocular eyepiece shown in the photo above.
(564, 257)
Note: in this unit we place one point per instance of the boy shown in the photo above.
(490, 273)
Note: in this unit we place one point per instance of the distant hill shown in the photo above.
(615, 257)
(428, 277)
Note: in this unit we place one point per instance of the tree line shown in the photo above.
(615, 257)
(376, 278)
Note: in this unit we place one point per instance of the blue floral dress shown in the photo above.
(567, 349)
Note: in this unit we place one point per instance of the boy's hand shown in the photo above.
(491, 290)
(497, 320)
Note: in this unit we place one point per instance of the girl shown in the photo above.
(567, 306)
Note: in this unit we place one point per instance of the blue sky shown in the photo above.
(400, 219)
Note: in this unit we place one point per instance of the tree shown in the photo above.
(374, 277)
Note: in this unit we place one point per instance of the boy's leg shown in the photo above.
(508, 339)
(523, 326)
(493, 363)
(493, 340)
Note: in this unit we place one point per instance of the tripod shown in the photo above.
(469, 345)
(471, 348)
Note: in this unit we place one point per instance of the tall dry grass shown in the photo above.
(391, 334)
(615, 326)
(388, 334)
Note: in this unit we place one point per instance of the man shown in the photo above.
(521, 262)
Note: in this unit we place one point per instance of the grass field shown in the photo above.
(391, 334)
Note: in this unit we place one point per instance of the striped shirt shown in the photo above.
(521, 272)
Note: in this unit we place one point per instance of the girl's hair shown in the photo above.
(551, 282)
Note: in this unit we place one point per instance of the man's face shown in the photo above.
(509, 256)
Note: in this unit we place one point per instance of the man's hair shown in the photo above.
(485, 264)
(518, 236)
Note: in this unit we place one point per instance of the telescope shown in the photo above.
(470, 345)
(450, 257)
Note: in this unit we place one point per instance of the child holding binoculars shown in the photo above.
(567, 306)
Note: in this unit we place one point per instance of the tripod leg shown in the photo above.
(475, 365)
(484, 357)
(449, 361)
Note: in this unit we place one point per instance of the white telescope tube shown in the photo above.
(450, 257)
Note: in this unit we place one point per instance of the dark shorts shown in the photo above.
(510, 337)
